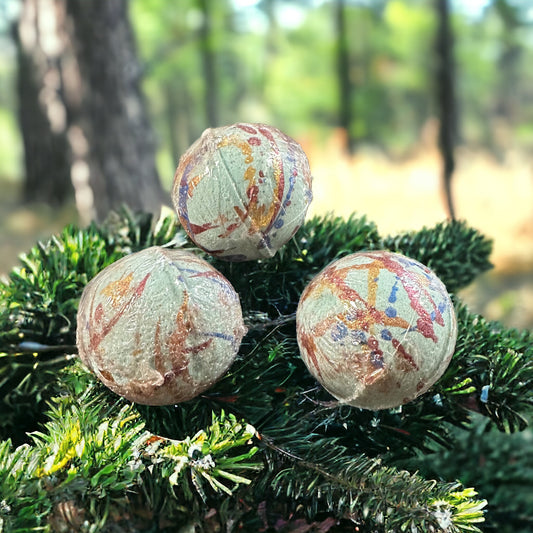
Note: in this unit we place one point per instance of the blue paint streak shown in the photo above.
(339, 332)
(218, 335)
(359, 337)
(183, 195)
(393, 297)
(225, 287)
(386, 334)
(391, 312)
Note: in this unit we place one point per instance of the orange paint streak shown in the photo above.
(363, 316)
(373, 273)
(366, 315)
(256, 215)
(176, 341)
(97, 335)
(116, 290)
(307, 342)
(193, 183)
(244, 147)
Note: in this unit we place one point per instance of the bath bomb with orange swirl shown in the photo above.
(242, 191)
(159, 326)
(376, 329)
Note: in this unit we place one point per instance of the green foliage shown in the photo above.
(204, 460)
(280, 67)
(40, 299)
(39, 302)
(496, 463)
(94, 451)
(81, 455)
(385, 499)
(263, 444)
(499, 364)
(454, 251)
(10, 148)
(37, 319)
(95, 455)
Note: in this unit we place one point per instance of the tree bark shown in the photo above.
(43, 116)
(114, 131)
(343, 74)
(506, 101)
(208, 61)
(445, 82)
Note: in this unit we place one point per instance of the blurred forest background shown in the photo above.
(362, 85)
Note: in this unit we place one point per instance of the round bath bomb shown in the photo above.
(242, 191)
(159, 326)
(376, 329)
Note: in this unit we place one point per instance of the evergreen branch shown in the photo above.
(96, 445)
(205, 458)
(455, 252)
(275, 285)
(375, 497)
(94, 454)
(499, 364)
(496, 463)
(328, 447)
(39, 301)
(78, 457)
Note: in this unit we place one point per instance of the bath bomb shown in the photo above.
(159, 326)
(376, 329)
(242, 191)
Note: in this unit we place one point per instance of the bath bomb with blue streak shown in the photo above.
(242, 191)
(376, 329)
(159, 326)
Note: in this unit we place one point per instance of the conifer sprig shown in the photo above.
(97, 458)
(454, 251)
(499, 364)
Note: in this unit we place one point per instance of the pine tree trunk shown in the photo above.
(208, 62)
(343, 74)
(121, 153)
(445, 81)
(505, 108)
(43, 116)
(272, 38)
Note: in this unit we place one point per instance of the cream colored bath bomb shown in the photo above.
(242, 191)
(159, 326)
(376, 329)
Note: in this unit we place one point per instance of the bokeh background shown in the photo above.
(355, 82)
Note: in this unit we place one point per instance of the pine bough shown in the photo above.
(264, 449)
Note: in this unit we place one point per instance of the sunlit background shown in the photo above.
(275, 61)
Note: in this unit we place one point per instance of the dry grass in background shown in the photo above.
(496, 198)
